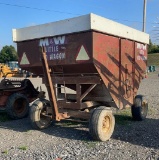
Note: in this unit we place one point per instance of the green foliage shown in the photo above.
(90, 144)
(8, 53)
(5, 152)
(153, 59)
(23, 148)
(123, 117)
(153, 48)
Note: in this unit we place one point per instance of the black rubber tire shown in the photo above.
(37, 111)
(101, 124)
(140, 108)
(17, 106)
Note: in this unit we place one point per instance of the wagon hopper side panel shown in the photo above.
(29, 56)
(106, 61)
(121, 63)
(70, 60)
(66, 51)
(127, 55)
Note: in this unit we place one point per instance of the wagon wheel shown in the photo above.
(17, 106)
(39, 116)
(101, 125)
(140, 108)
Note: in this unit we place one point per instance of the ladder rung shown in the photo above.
(59, 87)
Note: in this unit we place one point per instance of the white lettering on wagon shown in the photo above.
(55, 47)
(59, 40)
(44, 42)
(141, 46)
(57, 56)
(142, 54)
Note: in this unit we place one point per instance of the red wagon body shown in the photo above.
(94, 61)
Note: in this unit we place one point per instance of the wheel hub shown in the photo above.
(106, 124)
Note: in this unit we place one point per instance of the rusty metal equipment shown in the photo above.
(87, 68)
(15, 96)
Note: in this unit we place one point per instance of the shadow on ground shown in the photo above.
(143, 133)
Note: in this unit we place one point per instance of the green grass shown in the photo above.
(4, 117)
(123, 117)
(28, 131)
(5, 152)
(153, 59)
(90, 144)
(22, 148)
(68, 123)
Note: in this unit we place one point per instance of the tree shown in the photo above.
(153, 48)
(8, 53)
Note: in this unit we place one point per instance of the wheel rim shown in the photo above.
(44, 119)
(20, 105)
(106, 124)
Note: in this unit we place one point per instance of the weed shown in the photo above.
(123, 117)
(5, 152)
(23, 147)
(28, 131)
(90, 144)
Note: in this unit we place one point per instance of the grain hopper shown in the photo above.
(89, 64)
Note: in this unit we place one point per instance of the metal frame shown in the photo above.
(62, 109)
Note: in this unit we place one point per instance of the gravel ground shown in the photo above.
(131, 140)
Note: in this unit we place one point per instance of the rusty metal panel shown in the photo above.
(121, 63)
(127, 72)
(106, 60)
(77, 79)
(61, 50)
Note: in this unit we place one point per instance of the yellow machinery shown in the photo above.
(7, 70)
